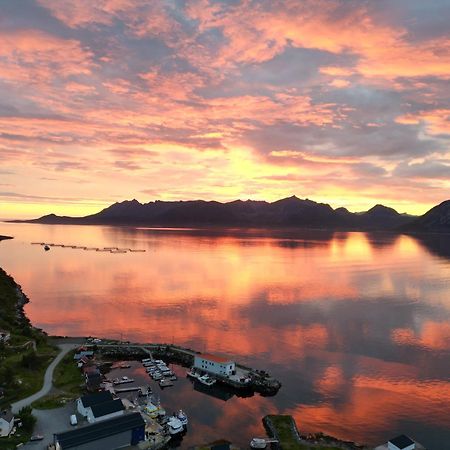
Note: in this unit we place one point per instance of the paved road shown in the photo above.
(48, 380)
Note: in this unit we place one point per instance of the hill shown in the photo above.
(437, 220)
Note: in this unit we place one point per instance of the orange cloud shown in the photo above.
(36, 56)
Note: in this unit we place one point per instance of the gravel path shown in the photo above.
(48, 379)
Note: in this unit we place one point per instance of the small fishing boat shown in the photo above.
(164, 382)
(182, 417)
(154, 410)
(206, 380)
(193, 373)
(175, 426)
(261, 442)
(123, 380)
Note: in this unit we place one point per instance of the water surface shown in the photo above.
(355, 325)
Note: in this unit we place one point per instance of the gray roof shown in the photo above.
(95, 399)
(7, 415)
(401, 441)
(100, 430)
(102, 409)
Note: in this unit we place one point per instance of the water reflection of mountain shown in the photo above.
(436, 244)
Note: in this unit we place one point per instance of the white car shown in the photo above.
(73, 420)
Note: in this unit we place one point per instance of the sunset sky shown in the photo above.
(339, 101)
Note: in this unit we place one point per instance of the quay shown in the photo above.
(245, 379)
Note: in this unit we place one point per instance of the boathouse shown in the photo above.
(87, 401)
(215, 364)
(118, 432)
(105, 411)
(401, 442)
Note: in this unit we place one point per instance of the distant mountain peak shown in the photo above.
(381, 209)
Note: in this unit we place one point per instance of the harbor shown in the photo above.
(240, 377)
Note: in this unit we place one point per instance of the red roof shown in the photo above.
(215, 358)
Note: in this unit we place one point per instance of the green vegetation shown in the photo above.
(25, 357)
(288, 441)
(51, 402)
(68, 380)
(23, 433)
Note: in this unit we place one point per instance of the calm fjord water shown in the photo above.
(356, 326)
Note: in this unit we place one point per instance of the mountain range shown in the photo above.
(287, 212)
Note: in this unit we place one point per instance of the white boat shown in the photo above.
(261, 442)
(123, 380)
(182, 417)
(165, 382)
(146, 360)
(258, 443)
(206, 380)
(175, 426)
(192, 373)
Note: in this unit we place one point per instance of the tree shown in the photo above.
(30, 360)
(27, 419)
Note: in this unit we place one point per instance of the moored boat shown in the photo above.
(164, 382)
(258, 443)
(193, 373)
(206, 380)
(175, 426)
(182, 417)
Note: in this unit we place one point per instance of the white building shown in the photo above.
(84, 403)
(6, 422)
(105, 411)
(401, 442)
(214, 364)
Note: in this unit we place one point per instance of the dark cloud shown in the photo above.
(427, 169)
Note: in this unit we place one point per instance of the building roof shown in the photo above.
(401, 441)
(102, 409)
(95, 399)
(215, 358)
(100, 430)
(7, 415)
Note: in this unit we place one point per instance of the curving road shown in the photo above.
(48, 379)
